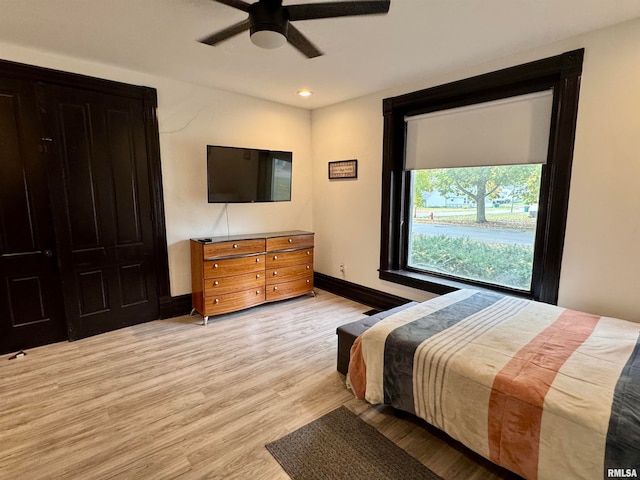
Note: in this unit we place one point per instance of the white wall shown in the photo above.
(190, 117)
(220, 118)
(601, 263)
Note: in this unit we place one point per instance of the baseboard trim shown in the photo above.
(359, 293)
(175, 306)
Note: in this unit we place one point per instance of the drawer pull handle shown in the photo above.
(257, 292)
(307, 281)
(258, 275)
(275, 272)
(308, 253)
(258, 259)
(215, 265)
(275, 257)
(291, 240)
(217, 300)
(308, 267)
(216, 283)
(275, 288)
(235, 245)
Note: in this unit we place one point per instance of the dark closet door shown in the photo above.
(102, 209)
(31, 311)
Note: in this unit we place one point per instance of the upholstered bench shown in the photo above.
(348, 333)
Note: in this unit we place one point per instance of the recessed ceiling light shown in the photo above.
(305, 93)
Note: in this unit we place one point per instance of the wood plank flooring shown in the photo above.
(174, 399)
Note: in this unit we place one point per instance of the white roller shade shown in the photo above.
(509, 131)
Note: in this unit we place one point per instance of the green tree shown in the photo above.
(525, 184)
(422, 182)
(479, 183)
(531, 192)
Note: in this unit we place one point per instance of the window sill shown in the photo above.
(439, 285)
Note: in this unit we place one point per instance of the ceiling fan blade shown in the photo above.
(312, 11)
(300, 42)
(239, 4)
(229, 32)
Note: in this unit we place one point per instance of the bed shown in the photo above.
(546, 392)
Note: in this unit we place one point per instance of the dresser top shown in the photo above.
(249, 236)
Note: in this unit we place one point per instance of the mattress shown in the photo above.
(541, 390)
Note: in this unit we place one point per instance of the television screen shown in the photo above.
(238, 175)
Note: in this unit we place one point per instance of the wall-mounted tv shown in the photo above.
(242, 175)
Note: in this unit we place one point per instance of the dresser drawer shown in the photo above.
(286, 274)
(235, 283)
(286, 259)
(289, 289)
(230, 302)
(239, 247)
(294, 241)
(233, 266)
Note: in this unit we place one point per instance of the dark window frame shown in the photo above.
(562, 73)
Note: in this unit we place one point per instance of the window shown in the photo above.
(475, 223)
(466, 165)
(471, 170)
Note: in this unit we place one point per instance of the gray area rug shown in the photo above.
(340, 445)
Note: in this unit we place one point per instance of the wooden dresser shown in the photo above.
(234, 272)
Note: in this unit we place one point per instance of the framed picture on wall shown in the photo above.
(343, 169)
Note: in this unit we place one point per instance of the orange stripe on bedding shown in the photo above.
(357, 369)
(519, 390)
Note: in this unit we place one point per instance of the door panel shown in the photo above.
(93, 297)
(132, 285)
(101, 202)
(31, 311)
(78, 167)
(122, 154)
(16, 205)
(25, 300)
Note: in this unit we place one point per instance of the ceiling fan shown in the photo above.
(270, 25)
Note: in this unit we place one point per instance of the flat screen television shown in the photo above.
(245, 175)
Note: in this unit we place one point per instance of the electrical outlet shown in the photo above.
(342, 267)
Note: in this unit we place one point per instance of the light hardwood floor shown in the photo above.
(174, 399)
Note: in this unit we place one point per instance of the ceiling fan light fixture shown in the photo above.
(268, 39)
(269, 22)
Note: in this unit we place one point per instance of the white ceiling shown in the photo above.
(417, 39)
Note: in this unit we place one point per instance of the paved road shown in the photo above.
(475, 233)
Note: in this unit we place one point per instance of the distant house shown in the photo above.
(436, 200)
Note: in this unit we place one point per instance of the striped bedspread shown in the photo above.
(546, 392)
